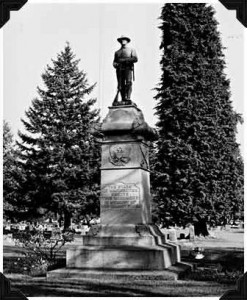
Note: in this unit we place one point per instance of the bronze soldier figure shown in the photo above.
(123, 62)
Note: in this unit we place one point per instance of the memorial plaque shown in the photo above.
(120, 195)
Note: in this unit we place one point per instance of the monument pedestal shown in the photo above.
(126, 238)
(127, 247)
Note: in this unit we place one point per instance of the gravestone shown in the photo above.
(173, 235)
(192, 232)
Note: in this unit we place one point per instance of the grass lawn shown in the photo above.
(44, 287)
(223, 253)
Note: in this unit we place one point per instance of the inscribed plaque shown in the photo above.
(120, 195)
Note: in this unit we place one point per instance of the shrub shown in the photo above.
(41, 249)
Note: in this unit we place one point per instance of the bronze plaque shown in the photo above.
(120, 195)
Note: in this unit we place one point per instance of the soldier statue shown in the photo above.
(123, 62)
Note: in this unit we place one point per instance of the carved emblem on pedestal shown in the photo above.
(119, 154)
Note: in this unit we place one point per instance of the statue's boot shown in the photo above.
(123, 96)
(128, 93)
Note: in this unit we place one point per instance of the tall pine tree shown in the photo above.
(198, 170)
(14, 207)
(59, 155)
(8, 165)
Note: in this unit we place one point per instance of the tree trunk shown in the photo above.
(60, 219)
(67, 220)
(201, 228)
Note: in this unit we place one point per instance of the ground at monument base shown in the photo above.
(86, 287)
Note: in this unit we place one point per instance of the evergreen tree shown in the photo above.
(198, 170)
(58, 153)
(13, 176)
(8, 162)
(7, 139)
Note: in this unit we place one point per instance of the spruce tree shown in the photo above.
(14, 207)
(198, 170)
(8, 162)
(58, 153)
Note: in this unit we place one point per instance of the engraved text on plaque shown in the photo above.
(120, 195)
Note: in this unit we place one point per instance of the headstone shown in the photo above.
(192, 232)
(173, 235)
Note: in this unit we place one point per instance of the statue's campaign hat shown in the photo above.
(124, 37)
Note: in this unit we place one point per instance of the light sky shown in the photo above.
(35, 34)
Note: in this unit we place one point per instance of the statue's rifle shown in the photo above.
(116, 97)
(115, 102)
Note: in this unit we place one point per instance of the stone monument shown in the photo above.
(126, 239)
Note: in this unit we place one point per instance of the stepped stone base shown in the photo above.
(124, 257)
(175, 272)
(125, 247)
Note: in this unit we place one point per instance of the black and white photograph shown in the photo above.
(123, 149)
